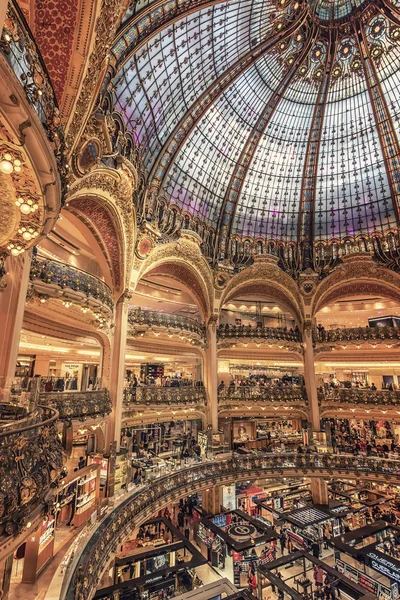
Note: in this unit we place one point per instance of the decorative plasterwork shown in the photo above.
(183, 261)
(55, 24)
(266, 278)
(357, 275)
(21, 185)
(110, 15)
(104, 199)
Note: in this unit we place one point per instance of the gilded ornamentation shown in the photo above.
(110, 15)
(109, 185)
(185, 262)
(64, 278)
(78, 405)
(357, 274)
(31, 462)
(265, 277)
(136, 507)
(144, 320)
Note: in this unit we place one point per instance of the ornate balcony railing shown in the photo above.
(22, 54)
(237, 332)
(78, 405)
(65, 277)
(355, 334)
(359, 396)
(153, 394)
(12, 416)
(31, 460)
(273, 393)
(136, 508)
(141, 320)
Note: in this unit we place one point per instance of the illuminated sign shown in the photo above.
(384, 566)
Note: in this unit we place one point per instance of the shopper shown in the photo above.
(318, 576)
(329, 592)
(282, 541)
(181, 519)
(315, 548)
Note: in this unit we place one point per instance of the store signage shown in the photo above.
(202, 441)
(297, 540)
(384, 566)
(229, 497)
(395, 590)
(381, 591)
(369, 584)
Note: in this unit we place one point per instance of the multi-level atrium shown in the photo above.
(199, 299)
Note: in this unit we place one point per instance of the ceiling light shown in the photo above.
(26, 206)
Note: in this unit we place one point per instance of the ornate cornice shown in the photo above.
(109, 18)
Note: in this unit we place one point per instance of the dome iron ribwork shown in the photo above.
(265, 125)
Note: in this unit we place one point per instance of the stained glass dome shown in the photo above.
(273, 120)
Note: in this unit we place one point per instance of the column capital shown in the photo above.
(125, 296)
(213, 321)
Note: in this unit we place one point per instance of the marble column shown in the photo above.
(319, 491)
(211, 499)
(117, 371)
(12, 306)
(310, 380)
(105, 362)
(211, 365)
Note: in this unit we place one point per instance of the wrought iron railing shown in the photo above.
(273, 393)
(226, 332)
(138, 318)
(355, 334)
(359, 396)
(13, 416)
(153, 394)
(31, 460)
(64, 275)
(78, 405)
(141, 504)
(22, 54)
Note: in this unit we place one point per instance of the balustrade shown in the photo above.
(359, 396)
(65, 276)
(140, 320)
(141, 504)
(355, 334)
(272, 393)
(22, 54)
(31, 460)
(152, 394)
(258, 333)
(78, 405)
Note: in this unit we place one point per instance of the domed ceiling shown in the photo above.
(271, 119)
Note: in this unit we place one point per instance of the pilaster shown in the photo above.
(12, 306)
(211, 371)
(117, 371)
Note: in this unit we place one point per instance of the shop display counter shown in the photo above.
(39, 550)
(301, 585)
(155, 572)
(368, 556)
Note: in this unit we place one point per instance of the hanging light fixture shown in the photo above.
(15, 250)
(26, 206)
(8, 163)
(28, 233)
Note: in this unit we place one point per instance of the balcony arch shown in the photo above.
(266, 279)
(357, 275)
(182, 260)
